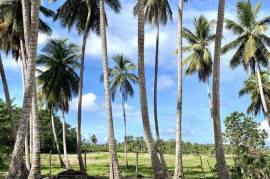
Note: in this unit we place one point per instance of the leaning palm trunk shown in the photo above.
(114, 169)
(125, 125)
(178, 173)
(264, 104)
(64, 142)
(62, 164)
(158, 170)
(26, 145)
(31, 35)
(159, 147)
(220, 158)
(35, 160)
(79, 120)
(8, 101)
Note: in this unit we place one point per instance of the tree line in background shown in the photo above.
(59, 82)
(245, 141)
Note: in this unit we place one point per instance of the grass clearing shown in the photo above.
(98, 165)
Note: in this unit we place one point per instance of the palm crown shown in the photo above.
(59, 81)
(12, 30)
(75, 12)
(200, 59)
(156, 11)
(122, 77)
(251, 87)
(252, 41)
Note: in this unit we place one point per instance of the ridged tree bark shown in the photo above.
(264, 104)
(31, 36)
(220, 157)
(62, 164)
(64, 141)
(178, 173)
(125, 126)
(8, 101)
(158, 170)
(35, 171)
(79, 119)
(114, 169)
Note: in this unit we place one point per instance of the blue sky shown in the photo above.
(122, 38)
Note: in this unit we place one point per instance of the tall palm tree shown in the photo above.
(59, 82)
(12, 41)
(251, 88)
(157, 12)
(158, 168)
(11, 33)
(178, 172)
(220, 158)
(251, 43)
(200, 59)
(85, 16)
(116, 6)
(121, 78)
(31, 24)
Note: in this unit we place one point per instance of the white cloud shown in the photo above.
(10, 64)
(43, 38)
(88, 103)
(165, 82)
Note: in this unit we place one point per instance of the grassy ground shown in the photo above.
(97, 165)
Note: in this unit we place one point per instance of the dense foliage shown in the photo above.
(247, 142)
(47, 143)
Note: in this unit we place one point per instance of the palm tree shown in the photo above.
(158, 168)
(200, 59)
(251, 43)
(84, 15)
(251, 88)
(59, 82)
(12, 41)
(116, 6)
(178, 172)
(157, 12)
(220, 158)
(31, 24)
(12, 32)
(121, 78)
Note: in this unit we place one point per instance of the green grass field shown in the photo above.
(98, 165)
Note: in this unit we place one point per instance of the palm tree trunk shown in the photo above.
(158, 170)
(8, 101)
(125, 124)
(115, 172)
(64, 142)
(24, 76)
(27, 154)
(23, 71)
(32, 30)
(62, 164)
(35, 171)
(221, 162)
(264, 104)
(160, 150)
(178, 173)
(79, 150)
